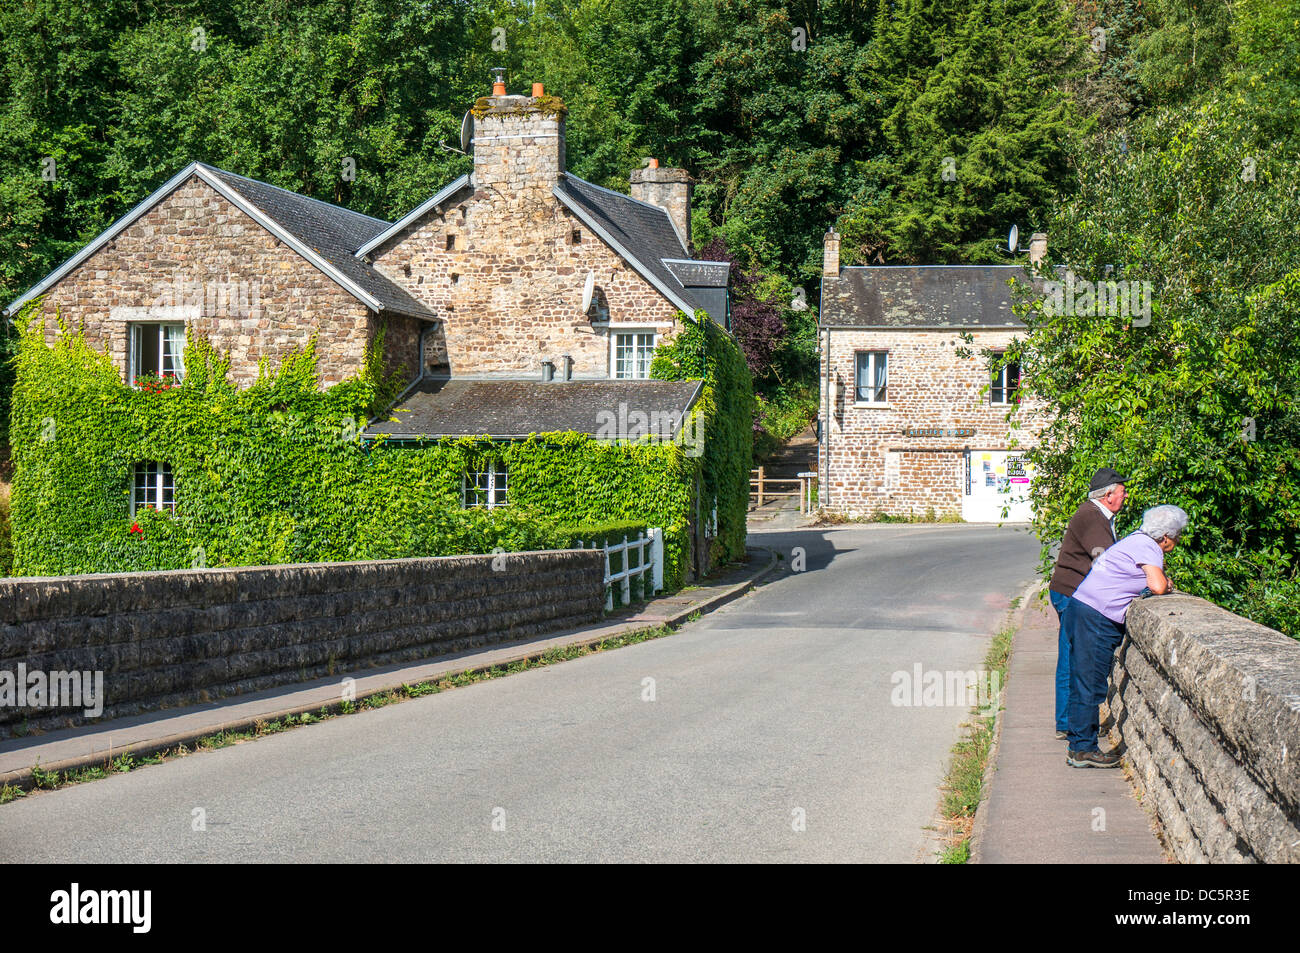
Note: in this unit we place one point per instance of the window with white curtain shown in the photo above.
(157, 350)
(633, 352)
(155, 488)
(872, 372)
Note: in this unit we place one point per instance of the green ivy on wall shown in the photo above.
(278, 472)
(705, 350)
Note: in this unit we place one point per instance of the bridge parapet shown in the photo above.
(1208, 705)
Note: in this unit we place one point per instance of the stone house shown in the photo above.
(907, 425)
(518, 299)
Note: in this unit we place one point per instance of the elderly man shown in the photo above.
(1094, 622)
(1090, 533)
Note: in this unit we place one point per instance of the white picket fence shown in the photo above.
(648, 550)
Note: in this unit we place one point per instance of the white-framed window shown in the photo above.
(154, 488)
(871, 377)
(157, 350)
(485, 488)
(1006, 380)
(631, 353)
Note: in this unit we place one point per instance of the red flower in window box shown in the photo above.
(155, 383)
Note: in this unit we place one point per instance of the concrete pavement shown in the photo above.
(1039, 809)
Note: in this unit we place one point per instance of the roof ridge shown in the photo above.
(297, 195)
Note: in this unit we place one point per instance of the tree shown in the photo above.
(1200, 405)
(977, 128)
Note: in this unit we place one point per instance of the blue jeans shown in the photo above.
(1059, 602)
(1093, 640)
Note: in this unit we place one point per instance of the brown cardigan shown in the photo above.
(1086, 537)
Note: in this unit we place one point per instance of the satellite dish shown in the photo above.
(466, 132)
(1013, 240)
(587, 291)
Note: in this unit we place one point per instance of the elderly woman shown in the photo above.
(1094, 622)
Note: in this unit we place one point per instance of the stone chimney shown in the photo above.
(831, 254)
(670, 189)
(518, 142)
(1038, 248)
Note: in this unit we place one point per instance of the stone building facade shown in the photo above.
(504, 260)
(487, 279)
(195, 254)
(915, 420)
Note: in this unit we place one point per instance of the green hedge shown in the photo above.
(603, 534)
(276, 473)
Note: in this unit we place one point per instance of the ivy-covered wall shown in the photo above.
(277, 472)
(703, 350)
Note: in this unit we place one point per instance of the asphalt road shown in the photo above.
(767, 716)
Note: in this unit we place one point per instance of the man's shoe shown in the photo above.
(1092, 759)
(1062, 735)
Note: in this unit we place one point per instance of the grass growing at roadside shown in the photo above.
(825, 518)
(43, 780)
(963, 787)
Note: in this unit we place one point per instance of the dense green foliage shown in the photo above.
(777, 333)
(1202, 405)
(791, 116)
(277, 473)
(704, 351)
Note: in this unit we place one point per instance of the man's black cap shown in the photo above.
(1105, 477)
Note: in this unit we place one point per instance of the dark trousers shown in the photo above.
(1059, 602)
(1093, 640)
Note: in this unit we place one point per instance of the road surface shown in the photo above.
(761, 732)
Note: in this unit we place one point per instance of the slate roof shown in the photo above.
(513, 408)
(328, 232)
(644, 231)
(332, 232)
(921, 296)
